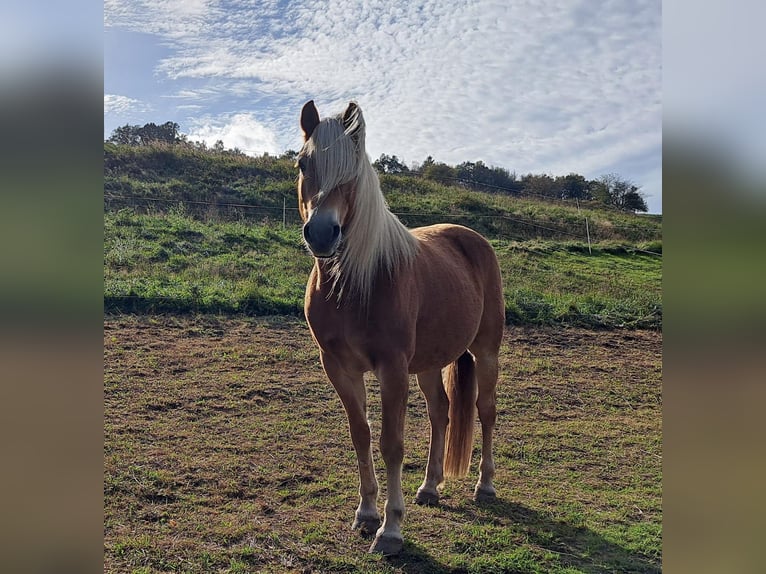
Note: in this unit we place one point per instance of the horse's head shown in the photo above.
(329, 164)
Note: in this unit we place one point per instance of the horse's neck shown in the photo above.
(375, 242)
(353, 274)
(324, 275)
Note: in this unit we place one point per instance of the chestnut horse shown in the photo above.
(396, 302)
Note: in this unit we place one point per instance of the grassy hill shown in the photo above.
(192, 231)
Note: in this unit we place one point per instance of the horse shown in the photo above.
(385, 299)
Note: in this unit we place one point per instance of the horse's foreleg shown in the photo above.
(394, 383)
(352, 393)
(438, 407)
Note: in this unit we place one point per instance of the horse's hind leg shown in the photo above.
(438, 407)
(353, 395)
(486, 378)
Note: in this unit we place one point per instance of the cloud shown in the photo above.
(174, 19)
(241, 131)
(525, 79)
(123, 105)
(554, 86)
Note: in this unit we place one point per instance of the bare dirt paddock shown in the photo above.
(226, 450)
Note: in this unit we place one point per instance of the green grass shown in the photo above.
(175, 263)
(227, 450)
(192, 231)
(547, 282)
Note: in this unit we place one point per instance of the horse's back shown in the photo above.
(458, 245)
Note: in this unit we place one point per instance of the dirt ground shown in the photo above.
(227, 450)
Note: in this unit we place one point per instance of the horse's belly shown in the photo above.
(439, 341)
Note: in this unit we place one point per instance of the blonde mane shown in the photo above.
(374, 240)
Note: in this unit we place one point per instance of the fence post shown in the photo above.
(587, 232)
(284, 211)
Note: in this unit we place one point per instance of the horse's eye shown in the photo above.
(302, 164)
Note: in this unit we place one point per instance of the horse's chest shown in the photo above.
(351, 351)
(360, 343)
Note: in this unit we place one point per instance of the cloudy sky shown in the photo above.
(544, 86)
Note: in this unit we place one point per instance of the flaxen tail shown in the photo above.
(460, 384)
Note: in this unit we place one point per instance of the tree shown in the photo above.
(633, 200)
(437, 170)
(290, 155)
(146, 134)
(573, 186)
(501, 177)
(542, 185)
(623, 194)
(126, 135)
(479, 174)
(389, 164)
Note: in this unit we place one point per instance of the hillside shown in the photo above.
(190, 231)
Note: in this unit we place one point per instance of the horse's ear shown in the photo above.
(353, 120)
(351, 110)
(309, 119)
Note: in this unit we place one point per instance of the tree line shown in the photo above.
(167, 133)
(609, 189)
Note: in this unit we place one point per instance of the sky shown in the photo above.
(544, 86)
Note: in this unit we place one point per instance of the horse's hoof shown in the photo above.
(387, 545)
(425, 498)
(366, 526)
(485, 494)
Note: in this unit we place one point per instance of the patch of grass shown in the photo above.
(190, 231)
(160, 177)
(175, 263)
(225, 451)
(423, 202)
(156, 177)
(546, 283)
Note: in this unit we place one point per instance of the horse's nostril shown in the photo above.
(306, 233)
(335, 232)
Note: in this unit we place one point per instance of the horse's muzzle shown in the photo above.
(322, 234)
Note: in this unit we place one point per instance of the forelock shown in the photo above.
(336, 159)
